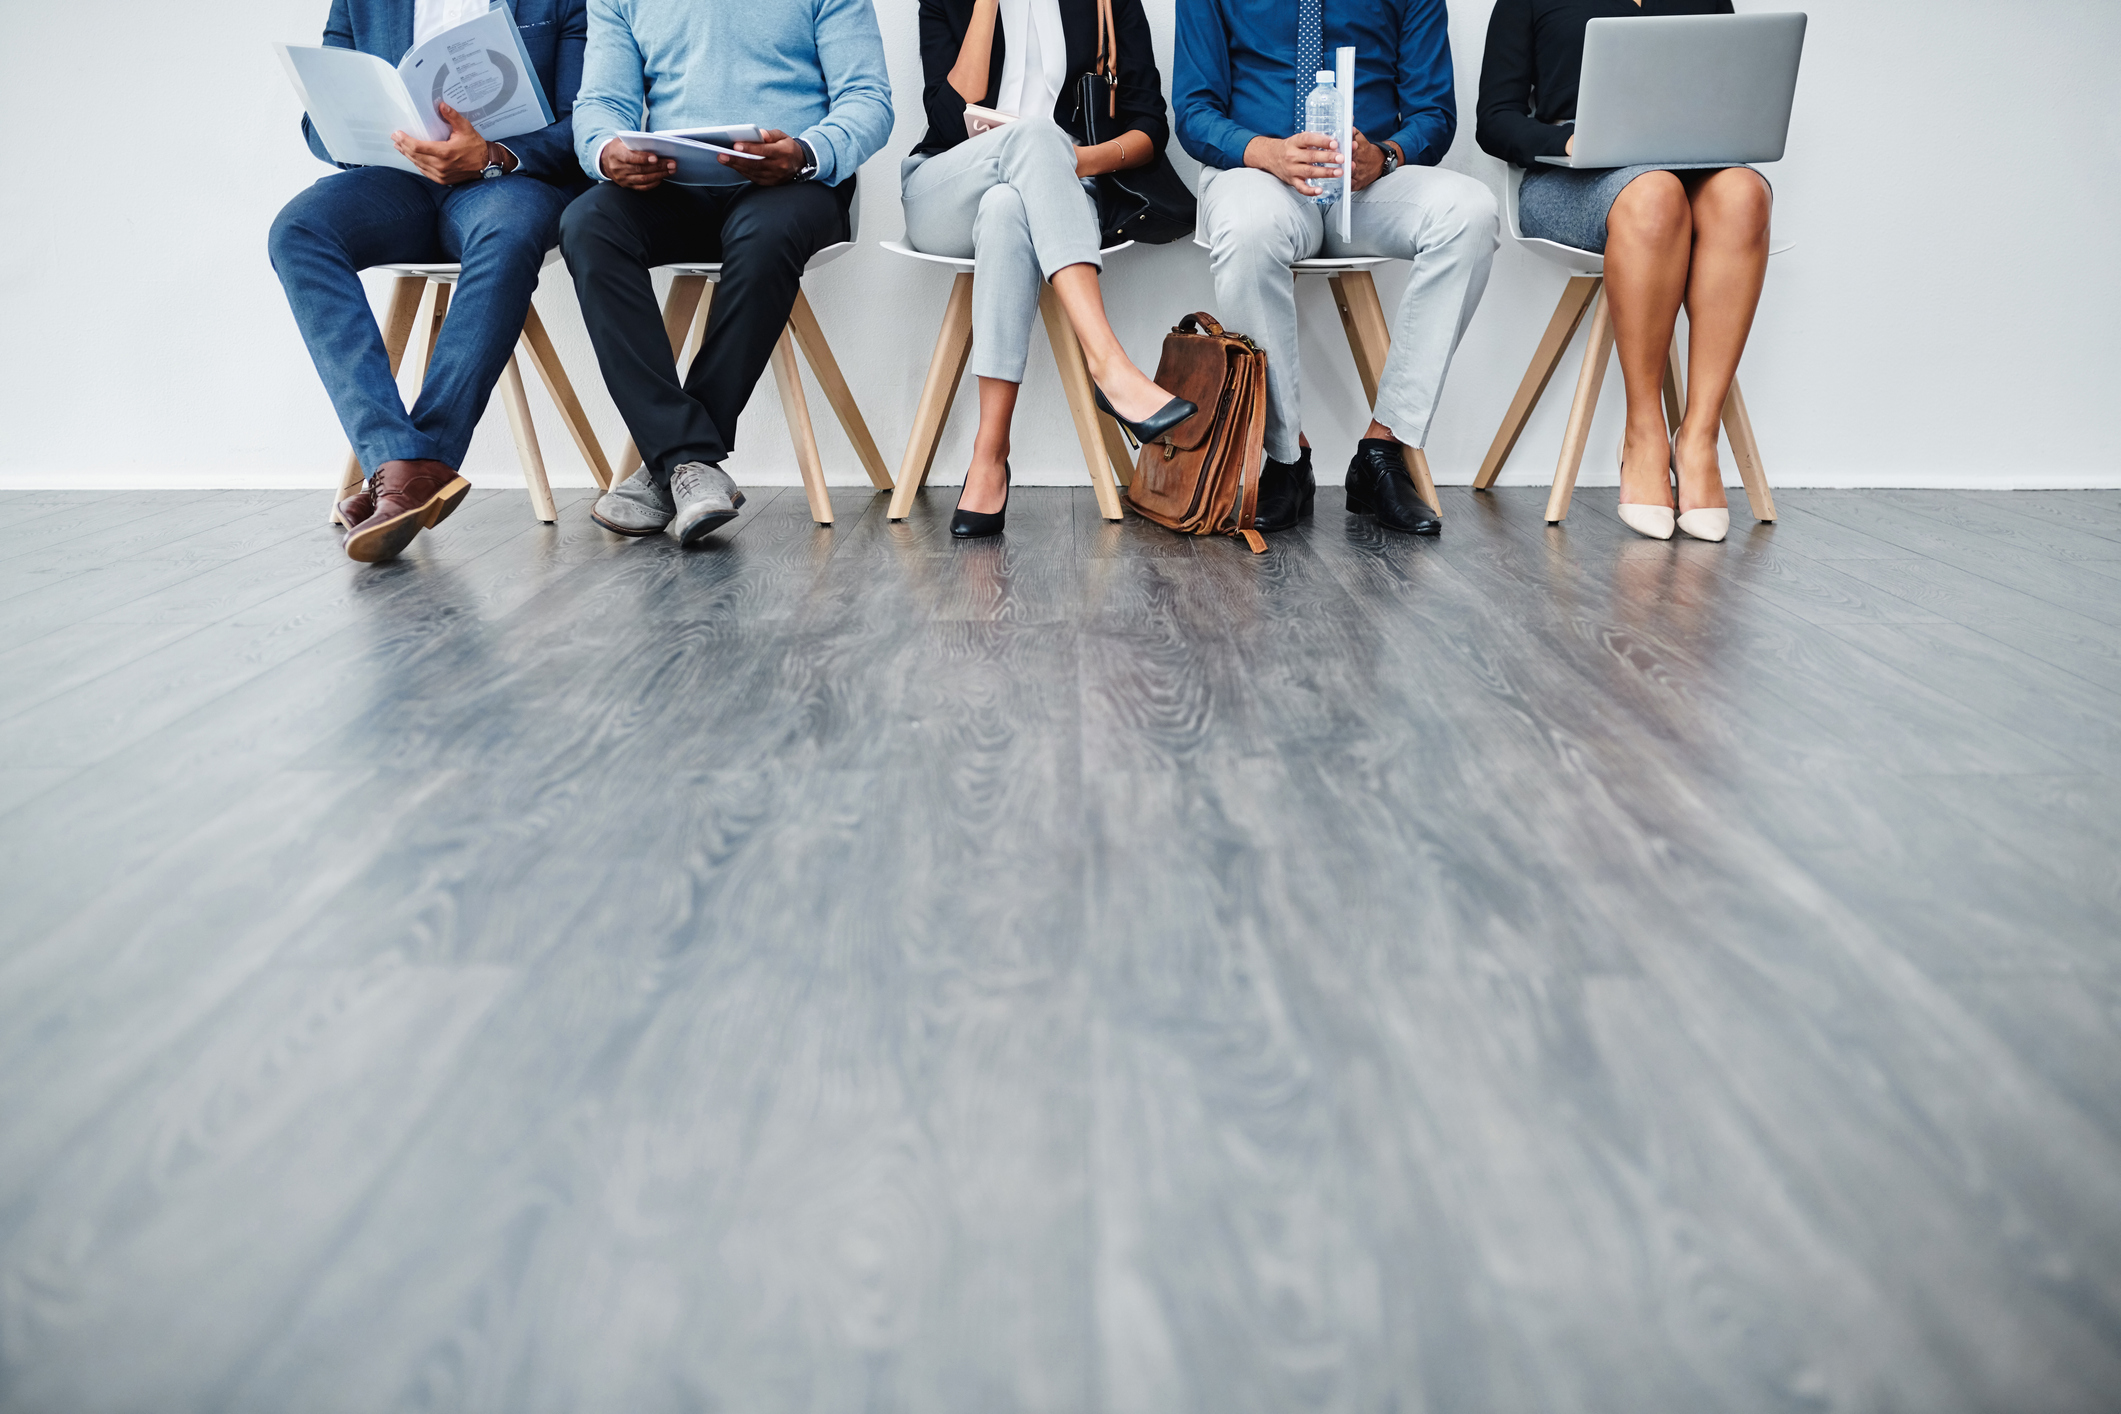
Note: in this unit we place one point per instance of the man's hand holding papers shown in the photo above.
(460, 157)
(780, 157)
(637, 171)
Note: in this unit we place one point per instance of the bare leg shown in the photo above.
(1732, 210)
(1130, 391)
(986, 490)
(1649, 235)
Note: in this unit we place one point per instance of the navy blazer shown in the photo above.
(554, 32)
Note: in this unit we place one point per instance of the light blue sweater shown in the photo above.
(812, 68)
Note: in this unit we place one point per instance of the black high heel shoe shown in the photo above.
(977, 525)
(1151, 427)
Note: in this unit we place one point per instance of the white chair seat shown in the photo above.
(963, 263)
(712, 269)
(446, 272)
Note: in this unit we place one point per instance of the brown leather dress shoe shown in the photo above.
(355, 509)
(410, 498)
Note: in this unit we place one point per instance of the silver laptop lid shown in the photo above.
(1687, 88)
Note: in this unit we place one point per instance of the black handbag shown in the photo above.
(1151, 203)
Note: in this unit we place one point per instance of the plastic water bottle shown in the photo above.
(1322, 115)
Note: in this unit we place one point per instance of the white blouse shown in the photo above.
(1035, 61)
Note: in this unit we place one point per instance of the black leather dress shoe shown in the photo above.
(978, 525)
(1155, 425)
(1380, 485)
(1286, 490)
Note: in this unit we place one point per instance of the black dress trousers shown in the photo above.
(763, 236)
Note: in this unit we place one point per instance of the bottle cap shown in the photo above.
(1325, 76)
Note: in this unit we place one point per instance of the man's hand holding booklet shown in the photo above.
(699, 154)
(478, 68)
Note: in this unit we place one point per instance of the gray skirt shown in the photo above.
(1568, 205)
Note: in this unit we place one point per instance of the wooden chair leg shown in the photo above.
(1576, 297)
(526, 437)
(1674, 386)
(810, 338)
(953, 346)
(405, 294)
(687, 294)
(1082, 403)
(1116, 450)
(1738, 426)
(789, 375)
(1598, 351)
(426, 334)
(1424, 484)
(1362, 316)
(537, 347)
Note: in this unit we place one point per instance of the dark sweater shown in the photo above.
(1141, 87)
(1534, 62)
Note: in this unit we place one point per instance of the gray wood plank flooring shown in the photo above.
(1095, 970)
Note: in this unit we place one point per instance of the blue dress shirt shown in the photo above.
(1235, 76)
(812, 68)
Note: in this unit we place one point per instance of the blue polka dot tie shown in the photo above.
(1310, 29)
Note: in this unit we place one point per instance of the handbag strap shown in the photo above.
(1200, 322)
(1108, 56)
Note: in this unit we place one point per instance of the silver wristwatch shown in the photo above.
(493, 167)
(1391, 156)
(808, 171)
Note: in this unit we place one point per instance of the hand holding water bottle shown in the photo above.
(1322, 118)
(1309, 161)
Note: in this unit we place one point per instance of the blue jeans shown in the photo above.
(347, 222)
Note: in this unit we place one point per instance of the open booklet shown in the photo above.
(698, 152)
(478, 67)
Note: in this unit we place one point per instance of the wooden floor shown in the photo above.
(845, 970)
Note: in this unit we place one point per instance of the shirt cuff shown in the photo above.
(598, 165)
(515, 162)
(828, 160)
(1241, 140)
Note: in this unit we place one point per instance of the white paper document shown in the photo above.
(357, 101)
(698, 151)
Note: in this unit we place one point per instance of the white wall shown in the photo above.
(1947, 318)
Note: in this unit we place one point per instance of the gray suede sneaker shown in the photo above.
(705, 497)
(636, 506)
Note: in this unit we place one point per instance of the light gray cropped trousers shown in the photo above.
(1256, 227)
(1010, 200)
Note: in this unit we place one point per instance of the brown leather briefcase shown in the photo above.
(1202, 477)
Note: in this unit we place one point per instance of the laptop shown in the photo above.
(1685, 88)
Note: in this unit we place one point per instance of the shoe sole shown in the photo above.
(704, 527)
(622, 530)
(376, 541)
(1434, 527)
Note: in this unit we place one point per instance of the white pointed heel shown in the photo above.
(1653, 521)
(1710, 523)
(1706, 524)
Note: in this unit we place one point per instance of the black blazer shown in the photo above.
(1141, 87)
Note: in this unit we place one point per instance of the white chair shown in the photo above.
(1362, 318)
(419, 300)
(1105, 454)
(685, 312)
(1583, 294)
